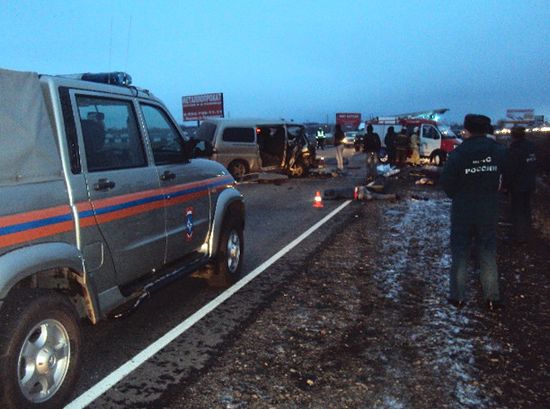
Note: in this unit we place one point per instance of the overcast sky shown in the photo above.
(304, 60)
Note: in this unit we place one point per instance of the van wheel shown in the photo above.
(437, 158)
(237, 169)
(40, 349)
(229, 259)
(298, 169)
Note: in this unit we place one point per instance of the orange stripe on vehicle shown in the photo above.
(120, 214)
(182, 199)
(83, 206)
(116, 200)
(172, 189)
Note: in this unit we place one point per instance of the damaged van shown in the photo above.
(255, 145)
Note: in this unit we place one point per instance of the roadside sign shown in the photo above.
(199, 107)
(520, 114)
(348, 121)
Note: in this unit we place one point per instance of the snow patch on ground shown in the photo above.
(418, 239)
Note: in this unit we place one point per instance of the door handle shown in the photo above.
(104, 184)
(167, 175)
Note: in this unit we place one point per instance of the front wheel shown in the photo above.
(40, 345)
(437, 158)
(229, 259)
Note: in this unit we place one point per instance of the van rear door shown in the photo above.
(272, 142)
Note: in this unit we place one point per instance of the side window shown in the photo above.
(238, 135)
(166, 142)
(110, 133)
(430, 132)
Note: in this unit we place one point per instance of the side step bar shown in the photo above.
(137, 297)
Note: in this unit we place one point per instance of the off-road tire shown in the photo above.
(22, 311)
(226, 272)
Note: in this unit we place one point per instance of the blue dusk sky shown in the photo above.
(301, 60)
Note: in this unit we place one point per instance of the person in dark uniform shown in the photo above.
(471, 178)
(403, 145)
(372, 148)
(390, 141)
(519, 179)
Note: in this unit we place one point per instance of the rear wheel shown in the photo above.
(40, 344)
(229, 259)
(238, 169)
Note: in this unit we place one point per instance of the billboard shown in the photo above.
(348, 121)
(198, 107)
(520, 115)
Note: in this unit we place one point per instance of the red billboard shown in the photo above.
(198, 107)
(348, 121)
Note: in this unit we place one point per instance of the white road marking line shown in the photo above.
(118, 374)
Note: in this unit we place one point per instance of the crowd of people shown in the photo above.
(401, 147)
(474, 174)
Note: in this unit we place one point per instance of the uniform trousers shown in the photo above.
(520, 214)
(483, 237)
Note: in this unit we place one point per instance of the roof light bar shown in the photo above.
(113, 78)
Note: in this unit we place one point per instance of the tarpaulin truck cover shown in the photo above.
(28, 150)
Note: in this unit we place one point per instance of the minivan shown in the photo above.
(258, 145)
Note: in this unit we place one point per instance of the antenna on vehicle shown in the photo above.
(128, 43)
(110, 43)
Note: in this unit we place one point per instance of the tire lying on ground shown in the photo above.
(298, 169)
(39, 348)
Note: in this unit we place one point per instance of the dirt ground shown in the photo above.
(366, 324)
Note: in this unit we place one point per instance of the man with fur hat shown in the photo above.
(519, 179)
(471, 179)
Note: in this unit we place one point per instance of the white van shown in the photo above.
(256, 145)
(436, 139)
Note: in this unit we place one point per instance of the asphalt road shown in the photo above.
(276, 214)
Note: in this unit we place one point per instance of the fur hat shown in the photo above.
(477, 124)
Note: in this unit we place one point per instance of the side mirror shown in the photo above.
(200, 148)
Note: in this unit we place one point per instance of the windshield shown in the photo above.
(446, 132)
(294, 131)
